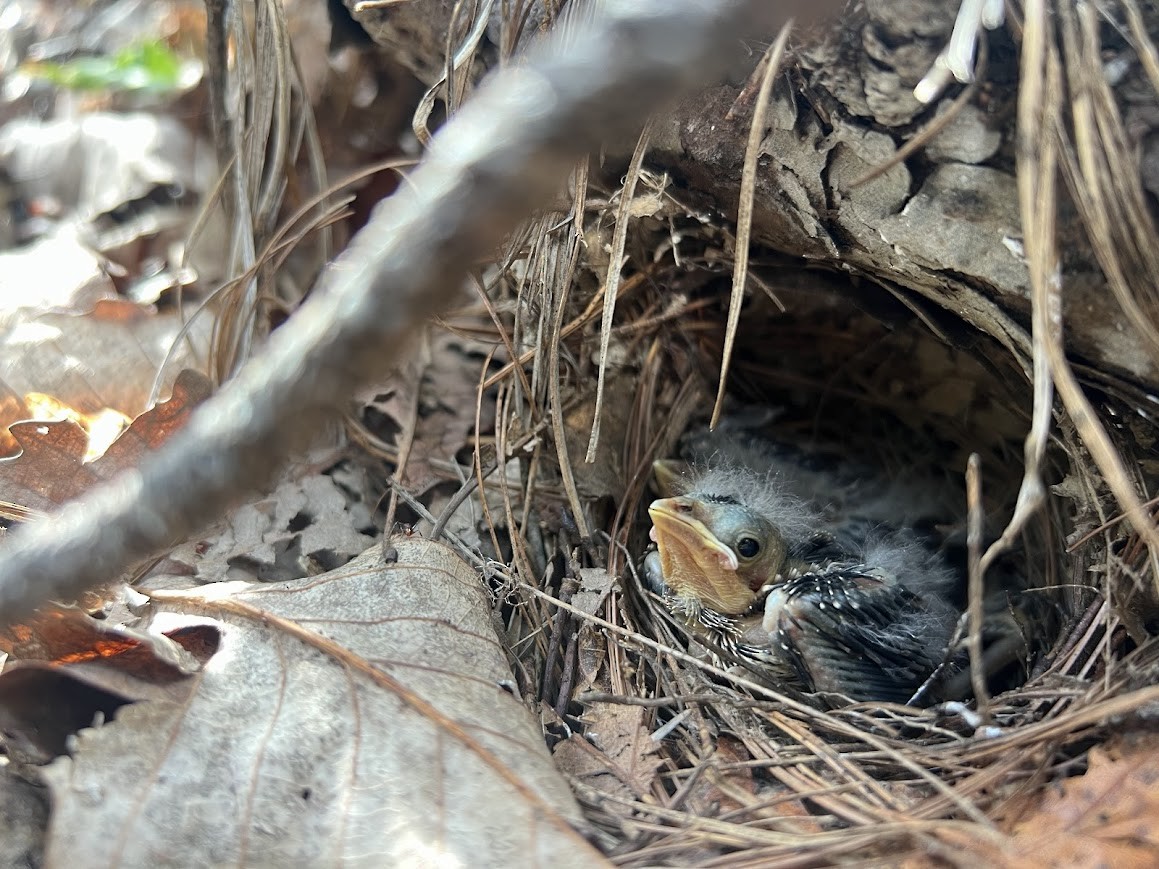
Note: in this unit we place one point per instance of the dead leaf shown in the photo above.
(92, 164)
(51, 468)
(67, 669)
(310, 524)
(105, 358)
(729, 777)
(314, 521)
(24, 814)
(67, 635)
(437, 394)
(616, 755)
(1106, 817)
(352, 718)
(596, 584)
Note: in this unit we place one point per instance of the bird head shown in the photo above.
(715, 550)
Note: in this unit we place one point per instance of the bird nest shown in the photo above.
(675, 755)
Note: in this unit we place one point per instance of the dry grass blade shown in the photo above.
(19, 513)
(632, 283)
(612, 283)
(570, 257)
(1105, 179)
(452, 87)
(260, 117)
(976, 575)
(1143, 44)
(744, 221)
(1040, 125)
(1031, 493)
(315, 215)
(421, 357)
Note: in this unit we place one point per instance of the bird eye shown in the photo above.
(748, 547)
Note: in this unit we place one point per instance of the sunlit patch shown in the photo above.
(411, 850)
(32, 333)
(102, 427)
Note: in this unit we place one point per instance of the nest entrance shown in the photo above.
(891, 382)
(885, 381)
(879, 375)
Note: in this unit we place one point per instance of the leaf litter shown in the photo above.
(77, 685)
(1107, 816)
(69, 672)
(105, 674)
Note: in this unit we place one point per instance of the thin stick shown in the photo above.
(410, 424)
(744, 217)
(612, 282)
(974, 562)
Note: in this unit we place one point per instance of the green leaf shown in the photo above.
(148, 66)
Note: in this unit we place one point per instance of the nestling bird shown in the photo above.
(818, 578)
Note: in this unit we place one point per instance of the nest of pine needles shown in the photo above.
(683, 761)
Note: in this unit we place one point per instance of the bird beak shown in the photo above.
(694, 562)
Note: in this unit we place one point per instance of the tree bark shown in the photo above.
(943, 223)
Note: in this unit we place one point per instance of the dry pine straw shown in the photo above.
(840, 782)
(740, 766)
(743, 768)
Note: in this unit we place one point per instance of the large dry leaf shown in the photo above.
(356, 718)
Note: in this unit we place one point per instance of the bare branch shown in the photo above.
(503, 153)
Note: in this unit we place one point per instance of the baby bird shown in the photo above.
(819, 579)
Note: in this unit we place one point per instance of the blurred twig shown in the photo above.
(505, 152)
